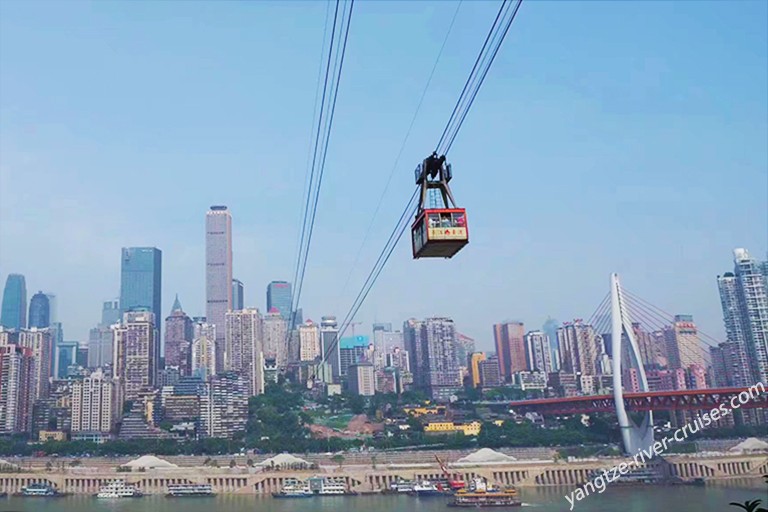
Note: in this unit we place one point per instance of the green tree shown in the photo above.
(338, 459)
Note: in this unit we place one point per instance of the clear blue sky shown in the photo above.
(609, 136)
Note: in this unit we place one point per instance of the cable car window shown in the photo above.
(445, 220)
(434, 220)
(458, 220)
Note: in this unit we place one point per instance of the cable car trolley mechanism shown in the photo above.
(437, 232)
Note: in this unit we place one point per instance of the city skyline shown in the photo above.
(528, 267)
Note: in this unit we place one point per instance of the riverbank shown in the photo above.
(375, 476)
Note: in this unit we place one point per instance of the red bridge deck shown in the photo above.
(688, 399)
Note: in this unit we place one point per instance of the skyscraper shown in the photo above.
(95, 403)
(510, 348)
(17, 385)
(52, 307)
(537, 352)
(40, 342)
(329, 347)
(14, 309)
(141, 281)
(243, 348)
(110, 312)
(39, 311)
(744, 300)
(442, 369)
(416, 357)
(309, 341)
(178, 339)
(218, 273)
(238, 295)
(224, 406)
(473, 364)
(279, 297)
(683, 346)
(100, 342)
(136, 352)
(203, 349)
(581, 348)
(276, 338)
(66, 356)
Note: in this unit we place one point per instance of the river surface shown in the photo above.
(714, 498)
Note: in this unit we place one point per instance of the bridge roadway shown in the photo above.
(688, 399)
(367, 478)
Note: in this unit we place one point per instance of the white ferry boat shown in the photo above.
(119, 489)
(329, 486)
(39, 490)
(190, 491)
(426, 488)
(401, 486)
(294, 488)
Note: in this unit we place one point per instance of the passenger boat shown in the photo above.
(294, 488)
(401, 486)
(329, 486)
(190, 491)
(425, 488)
(119, 489)
(480, 495)
(39, 490)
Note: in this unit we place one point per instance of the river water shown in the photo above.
(714, 498)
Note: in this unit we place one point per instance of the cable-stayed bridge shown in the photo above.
(643, 360)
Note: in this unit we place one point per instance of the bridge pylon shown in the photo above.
(634, 436)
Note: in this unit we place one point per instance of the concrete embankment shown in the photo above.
(372, 476)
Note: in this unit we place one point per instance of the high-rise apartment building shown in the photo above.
(329, 348)
(683, 347)
(442, 370)
(490, 372)
(361, 379)
(243, 348)
(135, 352)
(17, 385)
(224, 406)
(744, 299)
(178, 339)
(473, 364)
(537, 353)
(412, 342)
(309, 341)
(96, 403)
(581, 348)
(275, 329)
(218, 273)
(39, 311)
(730, 365)
(279, 297)
(203, 362)
(14, 309)
(141, 279)
(510, 348)
(238, 295)
(40, 342)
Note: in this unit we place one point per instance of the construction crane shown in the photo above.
(452, 483)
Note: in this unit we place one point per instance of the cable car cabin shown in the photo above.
(439, 232)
